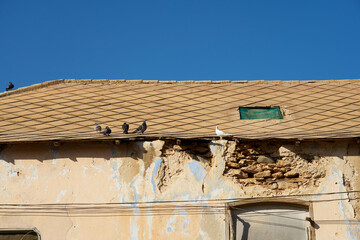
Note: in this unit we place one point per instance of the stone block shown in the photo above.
(251, 157)
(239, 155)
(237, 173)
(277, 169)
(232, 159)
(264, 159)
(233, 164)
(252, 169)
(260, 179)
(283, 163)
(277, 175)
(242, 174)
(264, 174)
(291, 174)
(266, 167)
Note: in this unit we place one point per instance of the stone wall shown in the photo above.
(273, 165)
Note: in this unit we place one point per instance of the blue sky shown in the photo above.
(178, 40)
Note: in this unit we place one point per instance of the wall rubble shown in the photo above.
(273, 165)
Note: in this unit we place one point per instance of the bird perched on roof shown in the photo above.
(141, 128)
(221, 133)
(125, 128)
(107, 131)
(11, 86)
(97, 127)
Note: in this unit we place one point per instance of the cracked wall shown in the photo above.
(176, 171)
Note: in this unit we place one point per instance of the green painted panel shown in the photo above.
(260, 113)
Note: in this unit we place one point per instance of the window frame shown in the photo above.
(229, 231)
(22, 230)
(281, 110)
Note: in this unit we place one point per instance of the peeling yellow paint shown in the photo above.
(97, 173)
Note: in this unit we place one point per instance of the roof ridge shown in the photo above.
(32, 87)
(139, 81)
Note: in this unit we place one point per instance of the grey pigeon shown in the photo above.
(141, 128)
(107, 131)
(125, 128)
(97, 127)
(11, 86)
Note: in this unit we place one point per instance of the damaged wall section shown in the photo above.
(175, 156)
(273, 164)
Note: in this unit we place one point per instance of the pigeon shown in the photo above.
(125, 128)
(97, 127)
(141, 128)
(11, 86)
(107, 131)
(221, 133)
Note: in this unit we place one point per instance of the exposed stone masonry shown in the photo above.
(273, 165)
(270, 164)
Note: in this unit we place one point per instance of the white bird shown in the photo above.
(221, 133)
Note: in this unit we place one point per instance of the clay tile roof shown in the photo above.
(68, 109)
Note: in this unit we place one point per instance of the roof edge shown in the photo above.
(140, 81)
(32, 87)
(199, 138)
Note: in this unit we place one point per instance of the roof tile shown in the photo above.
(66, 109)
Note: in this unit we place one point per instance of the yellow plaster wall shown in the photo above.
(91, 174)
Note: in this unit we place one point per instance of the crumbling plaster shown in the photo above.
(166, 170)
